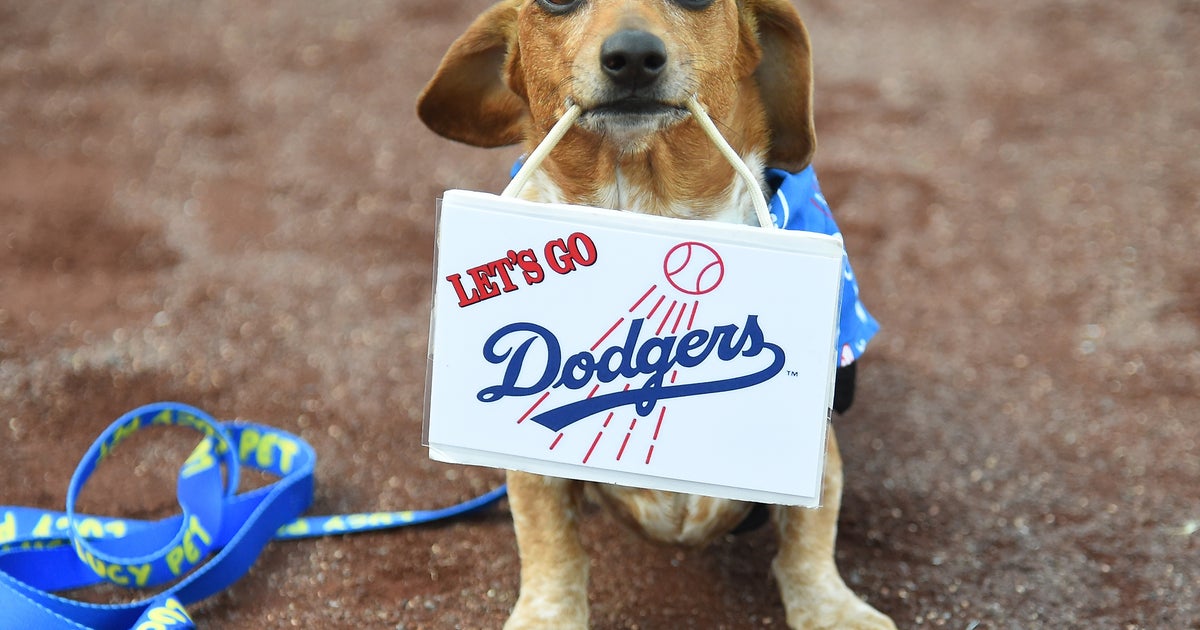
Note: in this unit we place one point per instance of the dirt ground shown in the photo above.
(231, 204)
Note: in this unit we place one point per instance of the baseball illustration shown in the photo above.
(693, 268)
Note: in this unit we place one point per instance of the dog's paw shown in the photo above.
(516, 622)
(532, 614)
(838, 613)
(826, 604)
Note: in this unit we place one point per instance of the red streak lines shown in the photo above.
(662, 412)
(555, 442)
(692, 319)
(609, 418)
(657, 304)
(594, 443)
(666, 317)
(593, 392)
(679, 318)
(606, 334)
(527, 413)
(643, 298)
(623, 444)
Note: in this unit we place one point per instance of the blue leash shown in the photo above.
(44, 551)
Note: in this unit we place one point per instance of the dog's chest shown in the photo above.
(671, 517)
(661, 196)
(625, 193)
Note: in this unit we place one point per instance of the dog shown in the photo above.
(631, 66)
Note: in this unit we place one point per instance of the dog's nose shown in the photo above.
(633, 58)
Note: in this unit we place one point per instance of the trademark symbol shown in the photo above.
(793, 373)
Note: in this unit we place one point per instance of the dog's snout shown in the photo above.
(633, 58)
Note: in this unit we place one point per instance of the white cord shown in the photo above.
(543, 149)
(706, 123)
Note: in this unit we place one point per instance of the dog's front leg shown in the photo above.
(554, 566)
(813, 591)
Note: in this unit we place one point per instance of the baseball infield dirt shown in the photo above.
(231, 204)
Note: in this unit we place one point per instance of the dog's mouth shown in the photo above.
(636, 107)
(632, 116)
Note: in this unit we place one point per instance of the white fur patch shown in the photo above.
(734, 206)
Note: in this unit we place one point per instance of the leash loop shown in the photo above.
(201, 551)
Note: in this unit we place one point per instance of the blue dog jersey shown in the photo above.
(797, 204)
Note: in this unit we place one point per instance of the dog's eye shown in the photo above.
(559, 7)
(694, 5)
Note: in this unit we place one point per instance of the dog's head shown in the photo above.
(631, 65)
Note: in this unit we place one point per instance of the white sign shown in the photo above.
(645, 351)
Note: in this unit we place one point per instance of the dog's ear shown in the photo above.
(467, 99)
(784, 77)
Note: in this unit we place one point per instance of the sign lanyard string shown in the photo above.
(564, 124)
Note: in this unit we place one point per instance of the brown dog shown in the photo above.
(632, 65)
